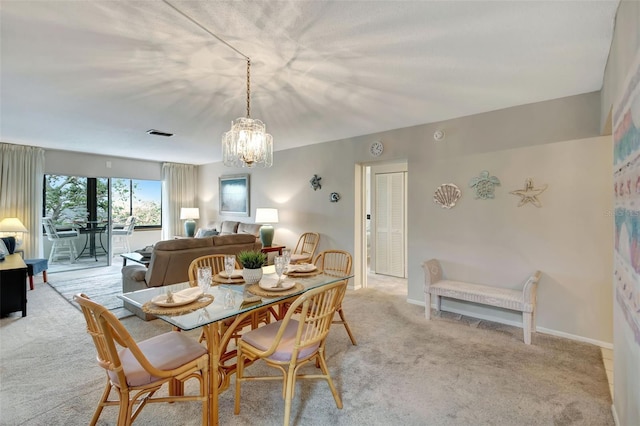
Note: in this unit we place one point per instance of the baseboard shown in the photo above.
(543, 330)
(615, 415)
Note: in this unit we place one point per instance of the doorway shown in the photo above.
(380, 240)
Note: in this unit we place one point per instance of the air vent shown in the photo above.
(158, 133)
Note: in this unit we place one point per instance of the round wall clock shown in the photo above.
(376, 148)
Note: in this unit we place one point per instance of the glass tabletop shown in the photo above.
(216, 311)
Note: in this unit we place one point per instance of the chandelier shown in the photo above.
(247, 144)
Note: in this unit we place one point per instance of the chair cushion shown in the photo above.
(165, 352)
(262, 338)
(299, 257)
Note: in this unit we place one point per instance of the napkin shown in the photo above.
(301, 267)
(188, 294)
(237, 273)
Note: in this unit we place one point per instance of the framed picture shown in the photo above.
(234, 195)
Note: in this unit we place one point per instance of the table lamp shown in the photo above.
(266, 217)
(13, 226)
(188, 214)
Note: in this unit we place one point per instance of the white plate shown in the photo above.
(180, 298)
(301, 267)
(269, 285)
(237, 273)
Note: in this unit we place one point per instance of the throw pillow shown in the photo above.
(3, 250)
(206, 232)
(9, 244)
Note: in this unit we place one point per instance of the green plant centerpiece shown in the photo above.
(252, 262)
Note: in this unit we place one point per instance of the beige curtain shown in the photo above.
(21, 177)
(179, 189)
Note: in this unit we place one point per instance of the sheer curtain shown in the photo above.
(21, 177)
(179, 189)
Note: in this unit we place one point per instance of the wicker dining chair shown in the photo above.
(138, 370)
(216, 262)
(336, 262)
(290, 343)
(305, 248)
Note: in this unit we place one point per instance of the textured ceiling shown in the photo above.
(94, 76)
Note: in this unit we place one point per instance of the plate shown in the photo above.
(268, 285)
(301, 268)
(180, 298)
(237, 273)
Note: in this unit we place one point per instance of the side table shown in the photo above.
(13, 285)
(272, 248)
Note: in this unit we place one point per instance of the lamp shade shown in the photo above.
(12, 224)
(266, 215)
(189, 213)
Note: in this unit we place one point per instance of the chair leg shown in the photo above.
(325, 371)
(427, 305)
(44, 276)
(288, 394)
(346, 325)
(105, 397)
(526, 327)
(31, 282)
(239, 373)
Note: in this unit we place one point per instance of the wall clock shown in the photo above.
(376, 148)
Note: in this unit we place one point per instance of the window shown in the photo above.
(75, 198)
(139, 198)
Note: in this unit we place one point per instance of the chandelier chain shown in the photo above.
(248, 88)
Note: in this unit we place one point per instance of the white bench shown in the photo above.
(518, 300)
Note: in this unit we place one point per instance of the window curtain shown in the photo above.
(179, 189)
(21, 177)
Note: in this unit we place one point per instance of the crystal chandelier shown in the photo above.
(247, 144)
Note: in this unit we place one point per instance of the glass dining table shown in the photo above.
(219, 323)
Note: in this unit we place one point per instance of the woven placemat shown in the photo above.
(224, 280)
(203, 301)
(258, 291)
(303, 274)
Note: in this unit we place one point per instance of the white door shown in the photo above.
(389, 219)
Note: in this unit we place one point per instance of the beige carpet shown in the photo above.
(405, 371)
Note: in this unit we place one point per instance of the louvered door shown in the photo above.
(389, 224)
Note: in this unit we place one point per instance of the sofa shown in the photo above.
(228, 227)
(170, 260)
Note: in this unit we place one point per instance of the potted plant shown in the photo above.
(252, 262)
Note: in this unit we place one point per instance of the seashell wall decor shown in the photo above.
(446, 195)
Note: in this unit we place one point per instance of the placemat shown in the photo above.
(303, 274)
(203, 301)
(224, 280)
(258, 291)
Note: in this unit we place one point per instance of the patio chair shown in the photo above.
(120, 235)
(136, 371)
(63, 241)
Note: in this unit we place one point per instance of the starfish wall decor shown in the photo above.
(529, 194)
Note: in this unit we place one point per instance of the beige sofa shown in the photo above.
(170, 261)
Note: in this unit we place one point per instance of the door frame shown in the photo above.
(360, 211)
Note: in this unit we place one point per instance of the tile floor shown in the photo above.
(607, 359)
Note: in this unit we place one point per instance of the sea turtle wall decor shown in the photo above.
(484, 185)
(529, 194)
(447, 195)
(315, 182)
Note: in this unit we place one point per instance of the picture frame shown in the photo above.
(234, 194)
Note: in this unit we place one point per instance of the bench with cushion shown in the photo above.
(517, 300)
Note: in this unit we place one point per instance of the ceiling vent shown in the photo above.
(158, 133)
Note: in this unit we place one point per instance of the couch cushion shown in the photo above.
(182, 244)
(249, 228)
(223, 240)
(228, 227)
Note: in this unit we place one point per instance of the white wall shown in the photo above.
(543, 141)
(496, 242)
(626, 371)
